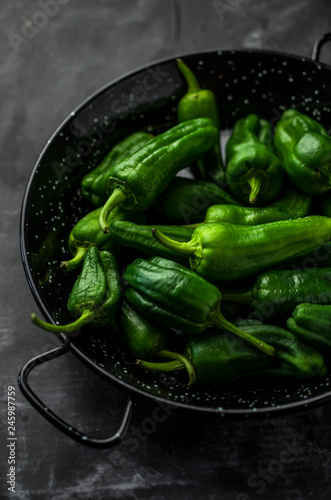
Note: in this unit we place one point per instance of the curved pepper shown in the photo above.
(312, 324)
(91, 182)
(293, 205)
(146, 339)
(201, 103)
(95, 295)
(86, 233)
(174, 296)
(137, 181)
(225, 252)
(219, 358)
(141, 237)
(185, 201)
(304, 147)
(278, 292)
(254, 173)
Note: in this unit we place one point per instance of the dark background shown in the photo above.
(45, 72)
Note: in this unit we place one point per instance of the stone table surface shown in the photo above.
(54, 54)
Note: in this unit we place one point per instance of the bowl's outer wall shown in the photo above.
(244, 82)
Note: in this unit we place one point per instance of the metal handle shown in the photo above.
(55, 419)
(321, 40)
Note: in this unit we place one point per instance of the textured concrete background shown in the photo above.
(54, 54)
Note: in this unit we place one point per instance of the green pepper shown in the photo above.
(141, 237)
(176, 297)
(86, 233)
(219, 358)
(223, 252)
(146, 339)
(185, 201)
(254, 173)
(95, 296)
(312, 324)
(137, 181)
(276, 293)
(201, 103)
(304, 147)
(293, 205)
(90, 184)
(320, 257)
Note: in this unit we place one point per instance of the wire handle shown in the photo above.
(55, 419)
(320, 41)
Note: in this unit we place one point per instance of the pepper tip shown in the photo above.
(63, 265)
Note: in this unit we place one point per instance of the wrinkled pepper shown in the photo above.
(137, 181)
(311, 323)
(219, 358)
(141, 237)
(176, 297)
(278, 292)
(86, 233)
(224, 252)
(185, 201)
(201, 103)
(90, 184)
(294, 204)
(254, 173)
(146, 339)
(95, 296)
(304, 148)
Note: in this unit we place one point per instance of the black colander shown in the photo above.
(244, 81)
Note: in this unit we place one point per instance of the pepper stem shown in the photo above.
(224, 324)
(183, 248)
(180, 357)
(192, 82)
(255, 184)
(70, 265)
(116, 198)
(172, 366)
(83, 320)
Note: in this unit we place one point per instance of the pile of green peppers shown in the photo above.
(224, 275)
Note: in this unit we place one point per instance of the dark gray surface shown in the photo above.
(42, 78)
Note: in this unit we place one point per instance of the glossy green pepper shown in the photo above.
(254, 173)
(312, 324)
(141, 237)
(146, 339)
(224, 252)
(201, 103)
(95, 296)
(185, 201)
(219, 358)
(293, 205)
(86, 233)
(320, 257)
(176, 297)
(276, 293)
(137, 181)
(90, 184)
(304, 147)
